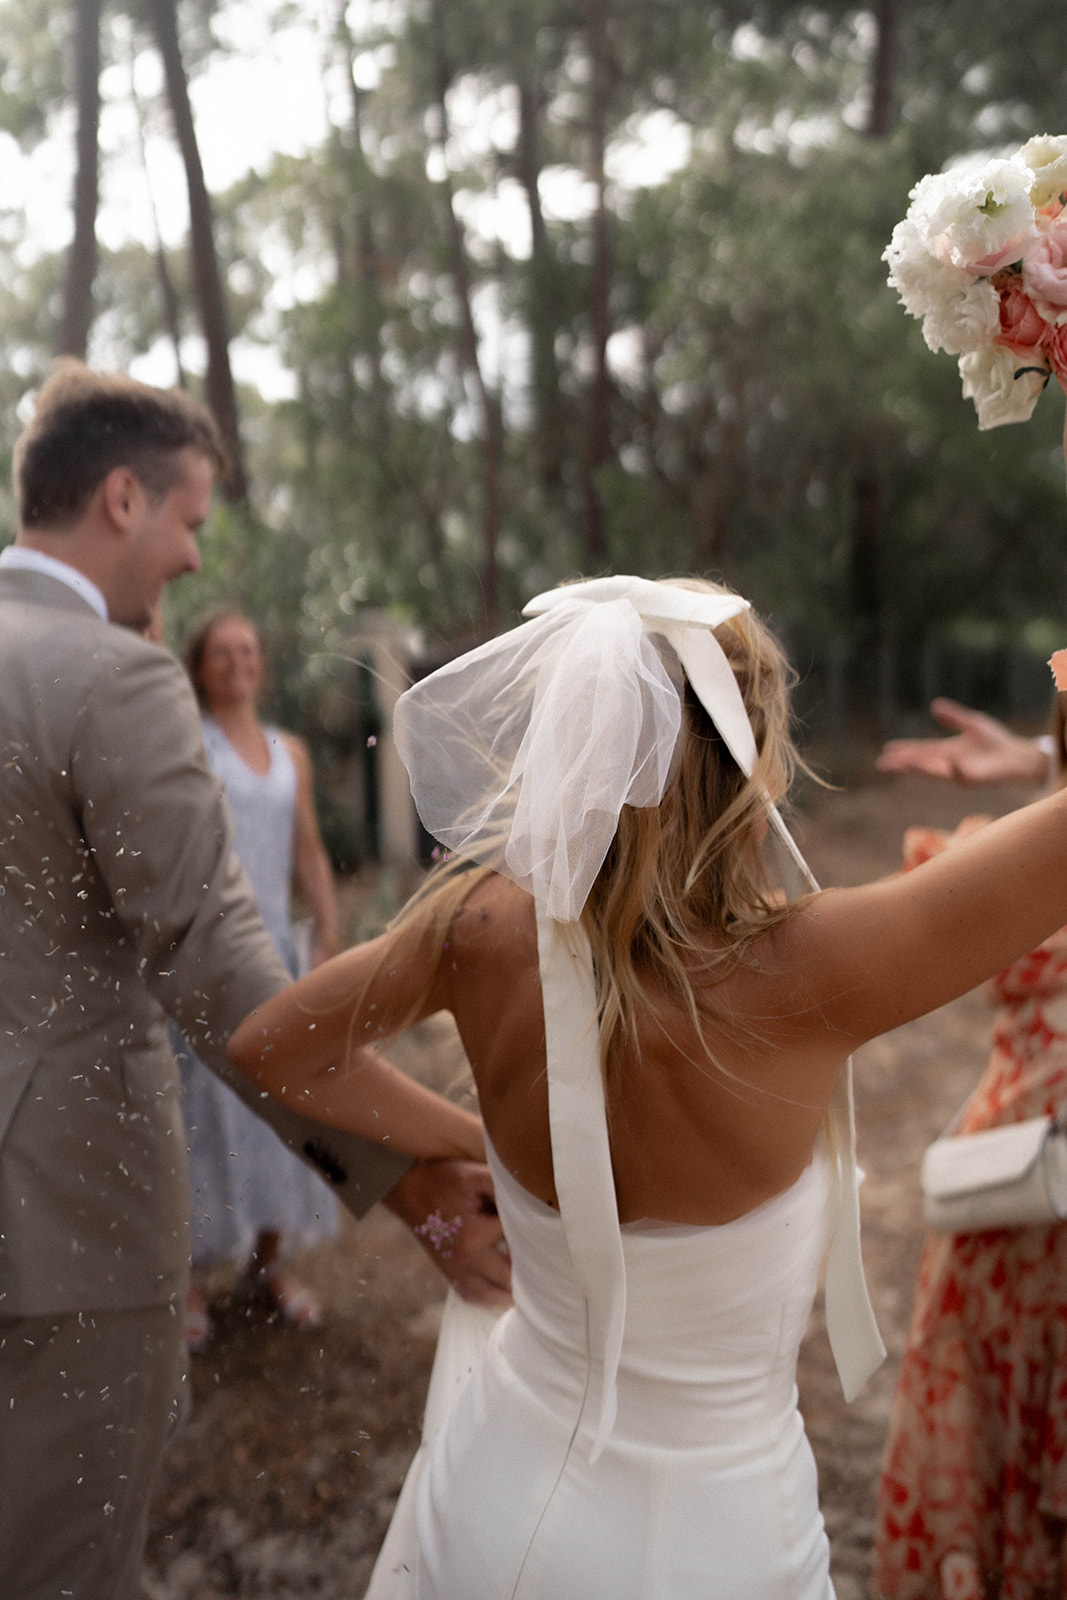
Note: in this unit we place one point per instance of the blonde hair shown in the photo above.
(685, 887)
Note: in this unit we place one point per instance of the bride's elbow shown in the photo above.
(248, 1046)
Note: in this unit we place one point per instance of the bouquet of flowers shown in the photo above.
(981, 257)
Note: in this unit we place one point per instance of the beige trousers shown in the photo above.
(86, 1406)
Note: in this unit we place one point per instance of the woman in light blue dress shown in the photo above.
(252, 1199)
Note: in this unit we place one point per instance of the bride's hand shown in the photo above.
(467, 1242)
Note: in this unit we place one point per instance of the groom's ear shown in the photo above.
(120, 496)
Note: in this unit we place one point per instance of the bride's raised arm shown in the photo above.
(871, 958)
(310, 1046)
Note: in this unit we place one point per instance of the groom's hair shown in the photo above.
(85, 424)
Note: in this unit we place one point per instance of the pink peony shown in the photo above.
(1022, 327)
(1045, 271)
(1054, 347)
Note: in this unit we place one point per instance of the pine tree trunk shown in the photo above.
(541, 311)
(368, 273)
(207, 278)
(81, 262)
(168, 294)
(488, 405)
(597, 445)
(883, 73)
(869, 643)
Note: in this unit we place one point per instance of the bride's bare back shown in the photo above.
(696, 1139)
(693, 1140)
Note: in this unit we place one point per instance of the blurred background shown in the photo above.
(486, 295)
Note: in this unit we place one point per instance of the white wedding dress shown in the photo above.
(629, 1430)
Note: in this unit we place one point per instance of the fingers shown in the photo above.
(934, 758)
(480, 1263)
(450, 1207)
(447, 1187)
(977, 738)
(485, 1262)
(960, 718)
(475, 1261)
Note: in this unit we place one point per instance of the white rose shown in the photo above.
(1046, 155)
(989, 379)
(978, 215)
(922, 280)
(964, 321)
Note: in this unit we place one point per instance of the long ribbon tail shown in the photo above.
(581, 1157)
(851, 1327)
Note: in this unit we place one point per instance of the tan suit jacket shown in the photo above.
(120, 898)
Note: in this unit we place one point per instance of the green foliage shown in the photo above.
(34, 77)
(763, 379)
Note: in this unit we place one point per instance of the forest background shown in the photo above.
(567, 286)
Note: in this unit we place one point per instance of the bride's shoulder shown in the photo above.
(495, 919)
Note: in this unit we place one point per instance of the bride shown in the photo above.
(660, 1045)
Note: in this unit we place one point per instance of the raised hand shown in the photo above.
(982, 750)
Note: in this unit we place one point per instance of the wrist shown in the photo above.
(472, 1139)
(1045, 769)
(411, 1197)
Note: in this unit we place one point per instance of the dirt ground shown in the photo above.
(281, 1482)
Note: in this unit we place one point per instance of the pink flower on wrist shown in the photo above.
(439, 1232)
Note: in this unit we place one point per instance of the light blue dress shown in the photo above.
(243, 1180)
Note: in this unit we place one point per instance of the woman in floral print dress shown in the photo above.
(972, 1502)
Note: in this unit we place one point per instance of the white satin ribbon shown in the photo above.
(581, 1160)
(554, 727)
(523, 752)
(684, 617)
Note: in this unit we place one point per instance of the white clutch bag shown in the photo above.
(1001, 1178)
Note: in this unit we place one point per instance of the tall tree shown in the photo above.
(362, 275)
(533, 41)
(597, 444)
(543, 282)
(168, 294)
(81, 261)
(488, 402)
(208, 283)
(883, 72)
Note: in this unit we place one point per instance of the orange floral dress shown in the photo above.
(972, 1502)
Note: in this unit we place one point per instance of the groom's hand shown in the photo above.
(451, 1209)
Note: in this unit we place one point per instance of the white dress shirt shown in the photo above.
(17, 555)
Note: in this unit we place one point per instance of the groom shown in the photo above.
(120, 900)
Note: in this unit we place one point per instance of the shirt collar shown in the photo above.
(21, 556)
